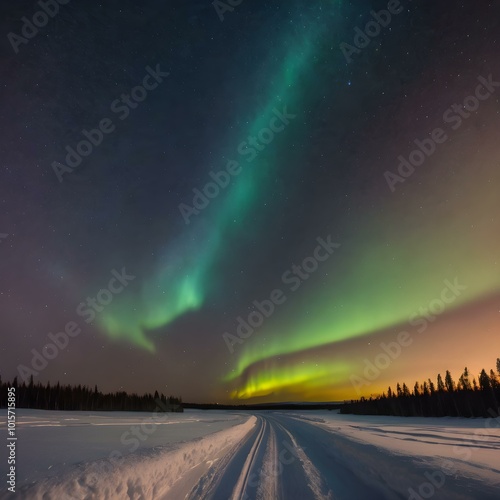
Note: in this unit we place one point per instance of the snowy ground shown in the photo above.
(264, 455)
(55, 447)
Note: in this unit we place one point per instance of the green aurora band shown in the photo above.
(381, 287)
(370, 287)
(183, 278)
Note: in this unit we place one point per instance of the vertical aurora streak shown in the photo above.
(184, 274)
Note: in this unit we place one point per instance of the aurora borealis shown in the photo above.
(268, 96)
(185, 273)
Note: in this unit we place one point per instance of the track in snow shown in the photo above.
(272, 464)
(288, 458)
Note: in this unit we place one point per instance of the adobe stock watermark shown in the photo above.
(40, 19)
(294, 278)
(221, 7)
(105, 296)
(436, 479)
(392, 350)
(249, 149)
(373, 28)
(87, 310)
(454, 116)
(121, 107)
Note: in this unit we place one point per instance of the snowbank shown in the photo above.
(147, 475)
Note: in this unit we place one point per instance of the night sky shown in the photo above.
(310, 209)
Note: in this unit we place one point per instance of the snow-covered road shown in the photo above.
(274, 463)
(295, 457)
(267, 455)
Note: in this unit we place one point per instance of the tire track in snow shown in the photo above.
(208, 483)
(239, 492)
(268, 487)
(316, 484)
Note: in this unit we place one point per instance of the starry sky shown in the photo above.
(162, 271)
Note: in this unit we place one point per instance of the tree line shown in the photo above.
(466, 398)
(83, 398)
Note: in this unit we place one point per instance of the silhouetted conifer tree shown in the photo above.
(466, 399)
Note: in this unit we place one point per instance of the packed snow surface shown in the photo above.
(264, 455)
